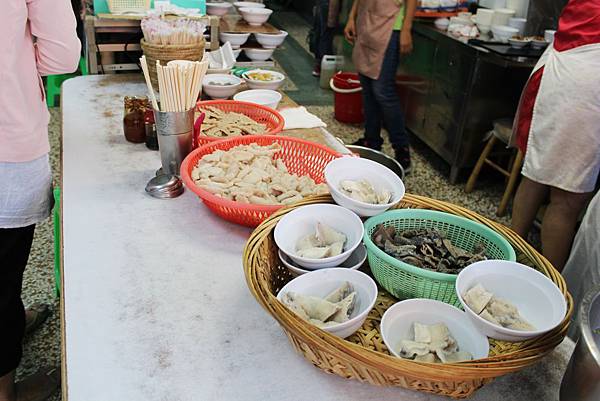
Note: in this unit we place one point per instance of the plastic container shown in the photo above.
(264, 115)
(406, 281)
(348, 103)
(329, 66)
(300, 157)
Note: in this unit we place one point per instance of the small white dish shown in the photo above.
(235, 39)
(441, 23)
(354, 262)
(537, 298)
(518, 43)
(264, 97)
(255, 16)
(303, 221)
(273, 84)
(538, 43)
(258, 54)
(271, 40)
(355, 168)
(320, 283)
(398, 321)
(220, 86)
(218, 9)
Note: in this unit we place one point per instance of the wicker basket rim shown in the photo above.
(157, 46)
(490, 367)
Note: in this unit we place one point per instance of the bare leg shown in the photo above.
(7, 387)
(558, 227)
(528, 200)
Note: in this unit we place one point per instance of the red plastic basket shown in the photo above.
(301, 157)
(262, 114)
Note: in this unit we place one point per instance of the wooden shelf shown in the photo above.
(235, 24)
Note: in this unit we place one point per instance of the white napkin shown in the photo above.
(299, 117)
(223, 57)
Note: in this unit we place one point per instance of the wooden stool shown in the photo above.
(501, 133)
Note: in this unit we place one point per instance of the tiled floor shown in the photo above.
(429, 178)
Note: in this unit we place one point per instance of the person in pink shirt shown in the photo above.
(37, 38)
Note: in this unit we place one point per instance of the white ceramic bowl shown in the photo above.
(257, 84)
(355, 168)
(397, 324)
(258, 54)
(270, 40)
(355, 261)
(236, 53)
(255, 16)
(322, 282)
(303, 220)
(538, 299)
(518, 23)
(538, 44)
(218, 9)
(518, 43)
(485, 29)
(210, 85)
(234, 39)
(504, 32)
(247, 4)
(502, 15)
(264, 97)
(441, 23)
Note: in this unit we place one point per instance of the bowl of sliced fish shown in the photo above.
(363, 186)
(430, 331)
(510, 301)
(319, 236)
(355, 261)
(337, 300)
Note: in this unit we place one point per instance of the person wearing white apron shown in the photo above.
(557, 127)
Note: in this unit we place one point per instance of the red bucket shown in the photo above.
(348, 103)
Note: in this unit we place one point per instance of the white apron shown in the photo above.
(563, 148)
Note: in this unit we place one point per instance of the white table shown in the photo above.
(155, 304)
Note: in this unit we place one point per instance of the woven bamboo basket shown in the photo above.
(166, 53)
(364, 356)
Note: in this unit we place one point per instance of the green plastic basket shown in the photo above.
(403, 280)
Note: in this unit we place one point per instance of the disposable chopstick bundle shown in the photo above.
(180, 31)
(179, 84)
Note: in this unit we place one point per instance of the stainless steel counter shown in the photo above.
(453, 91)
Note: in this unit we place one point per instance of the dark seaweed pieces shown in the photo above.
(428, 249)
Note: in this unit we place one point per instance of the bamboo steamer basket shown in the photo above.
(364, 356)
(166, 53)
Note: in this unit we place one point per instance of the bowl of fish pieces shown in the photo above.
(510, 301)
(336, 300)
(418, 253)
(425, 330)
(319, 236)
(363, 186)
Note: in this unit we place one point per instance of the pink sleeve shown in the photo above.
(53, 24)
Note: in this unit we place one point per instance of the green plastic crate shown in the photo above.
(405, 281)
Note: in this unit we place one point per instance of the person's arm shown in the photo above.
(406, 44)
(350, 30)
(53, 25)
